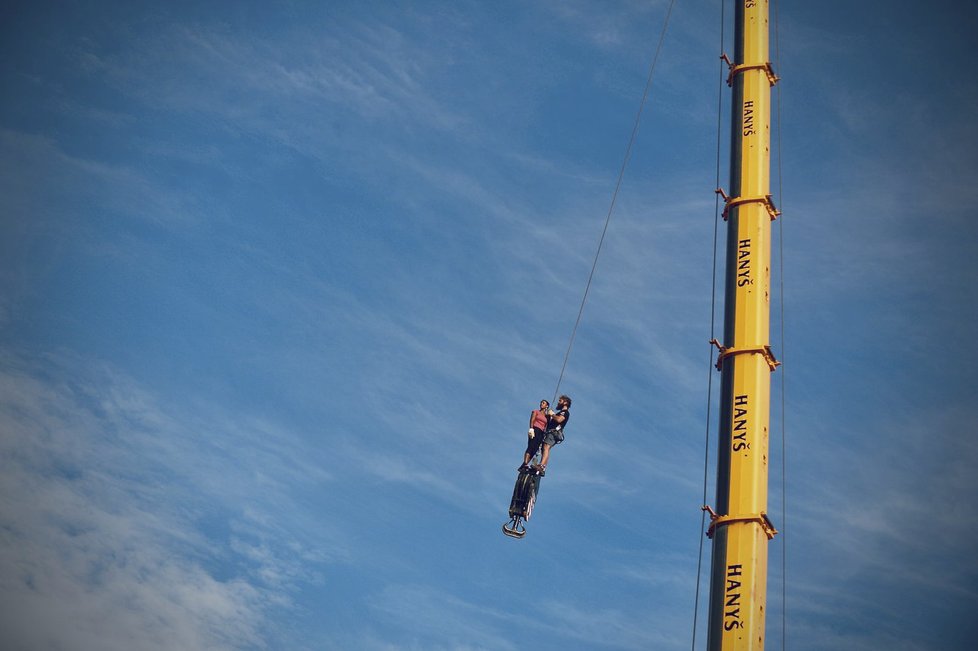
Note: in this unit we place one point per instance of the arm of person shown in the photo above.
(559, 418)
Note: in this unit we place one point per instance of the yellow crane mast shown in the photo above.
(740, 527)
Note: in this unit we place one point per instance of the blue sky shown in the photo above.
(280, 285)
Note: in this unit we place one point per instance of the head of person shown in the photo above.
(564, 401)
(544, 405)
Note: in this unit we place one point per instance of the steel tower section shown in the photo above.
(740, 528)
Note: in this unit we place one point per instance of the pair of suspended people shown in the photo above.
(546, 430)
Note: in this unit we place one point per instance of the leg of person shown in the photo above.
(531, 449)
(546, 455)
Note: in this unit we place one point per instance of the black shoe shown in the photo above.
(522, 468)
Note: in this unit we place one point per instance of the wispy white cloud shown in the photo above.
(602, 25)
(295, 95)
(442, 620)
(113, 509)
(604, 627)
(434, 617)
(884, 517)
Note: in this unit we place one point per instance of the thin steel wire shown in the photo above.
(784, 446)
(713, 311)
(614, 196)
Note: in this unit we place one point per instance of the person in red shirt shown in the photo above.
(538, 429)
(552, 434)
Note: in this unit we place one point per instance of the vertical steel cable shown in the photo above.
(713, 310)
(614, 196)
(784, 447)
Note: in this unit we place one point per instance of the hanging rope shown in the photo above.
(614, 196)
(713, 312)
